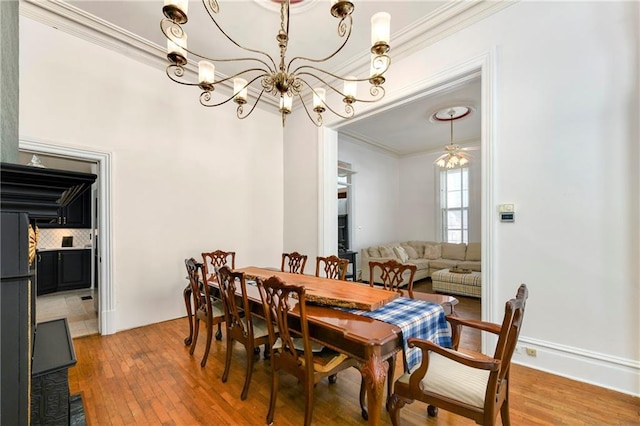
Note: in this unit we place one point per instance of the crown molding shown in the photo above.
(75, 21)
(442, 22)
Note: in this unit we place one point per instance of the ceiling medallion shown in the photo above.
(298, 77)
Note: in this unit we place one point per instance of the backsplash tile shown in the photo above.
(52, 238)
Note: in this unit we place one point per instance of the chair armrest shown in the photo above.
(481, 362)
(457, 323)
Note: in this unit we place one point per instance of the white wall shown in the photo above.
(564, 148)
(186, 179)
(565, 153)
(376, 197)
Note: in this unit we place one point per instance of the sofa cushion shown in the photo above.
(411, 251)
(453, 251)
(470, 264)
(432, 252)
(438, 264)
(387, 251)
(374, 251)
(473, 251)
(420, 263)
(401, 253)
(418, 246)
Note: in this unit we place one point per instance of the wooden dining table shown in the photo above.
(368, 340)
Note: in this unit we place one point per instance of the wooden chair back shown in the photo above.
(279, 300)
(237, 318)
(510, 330)
(392, 274)
(198, 291)
(293, 262)
(217, 259)
(333, 267)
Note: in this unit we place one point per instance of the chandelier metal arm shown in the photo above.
(206, 95)
(348, 108)
(343, 29)
(377, 92)
(176, 31)
(240, 109)
(317, 121)
(260, 52)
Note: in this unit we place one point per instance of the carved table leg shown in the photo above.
(374, 373)
(187, 301)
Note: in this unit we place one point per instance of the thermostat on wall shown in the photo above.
(507, 213)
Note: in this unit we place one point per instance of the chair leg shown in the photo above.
(394, 405)
(196, 329)
(219, 332)
(363, 395)
(247, 377)
(208, 346)
(308, 406)
(274, 394)
(504, 412)
(187, 301)
(227, 362)
(267, 351)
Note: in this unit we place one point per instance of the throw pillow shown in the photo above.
(411, 252)
(473, 251)
(454, 251)
(401, 253)
(432, 252)
(374, 252)
(387, 252)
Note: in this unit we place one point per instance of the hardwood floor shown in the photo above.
(146, 376)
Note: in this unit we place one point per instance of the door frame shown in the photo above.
(106, 298)
(483, 65)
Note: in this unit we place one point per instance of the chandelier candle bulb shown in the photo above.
(286, 102)
(176, 49)
(240, 89)
(319, 97)
(350, 88)
(206, 75)
(380, 32)
(176, 10)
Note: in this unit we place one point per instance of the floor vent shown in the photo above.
(86, 298)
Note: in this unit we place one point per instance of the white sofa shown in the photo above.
(428, 256)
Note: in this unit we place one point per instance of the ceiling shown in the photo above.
(403, 130)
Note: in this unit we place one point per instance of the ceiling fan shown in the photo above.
(454, 155)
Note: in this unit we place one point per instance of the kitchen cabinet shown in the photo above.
(61, 270)
(75, 215)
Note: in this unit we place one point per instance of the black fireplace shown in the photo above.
(32, 357)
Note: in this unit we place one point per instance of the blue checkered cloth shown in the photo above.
(416, 318)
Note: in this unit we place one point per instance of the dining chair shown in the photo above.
(205, 307)
(211, 261)
(241, 326)
(292, 350)
(294, 262)
(333, 267)
(394, 275)
(467, 383)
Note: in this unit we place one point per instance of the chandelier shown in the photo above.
(297, 77)
(454, 155)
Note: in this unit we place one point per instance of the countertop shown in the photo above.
(63, 248)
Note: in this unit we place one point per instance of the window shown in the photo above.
(454, 205)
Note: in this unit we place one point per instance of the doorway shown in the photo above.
(481, 66)
(101, 244)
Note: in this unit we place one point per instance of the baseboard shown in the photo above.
(618, 374)
(108, 322)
